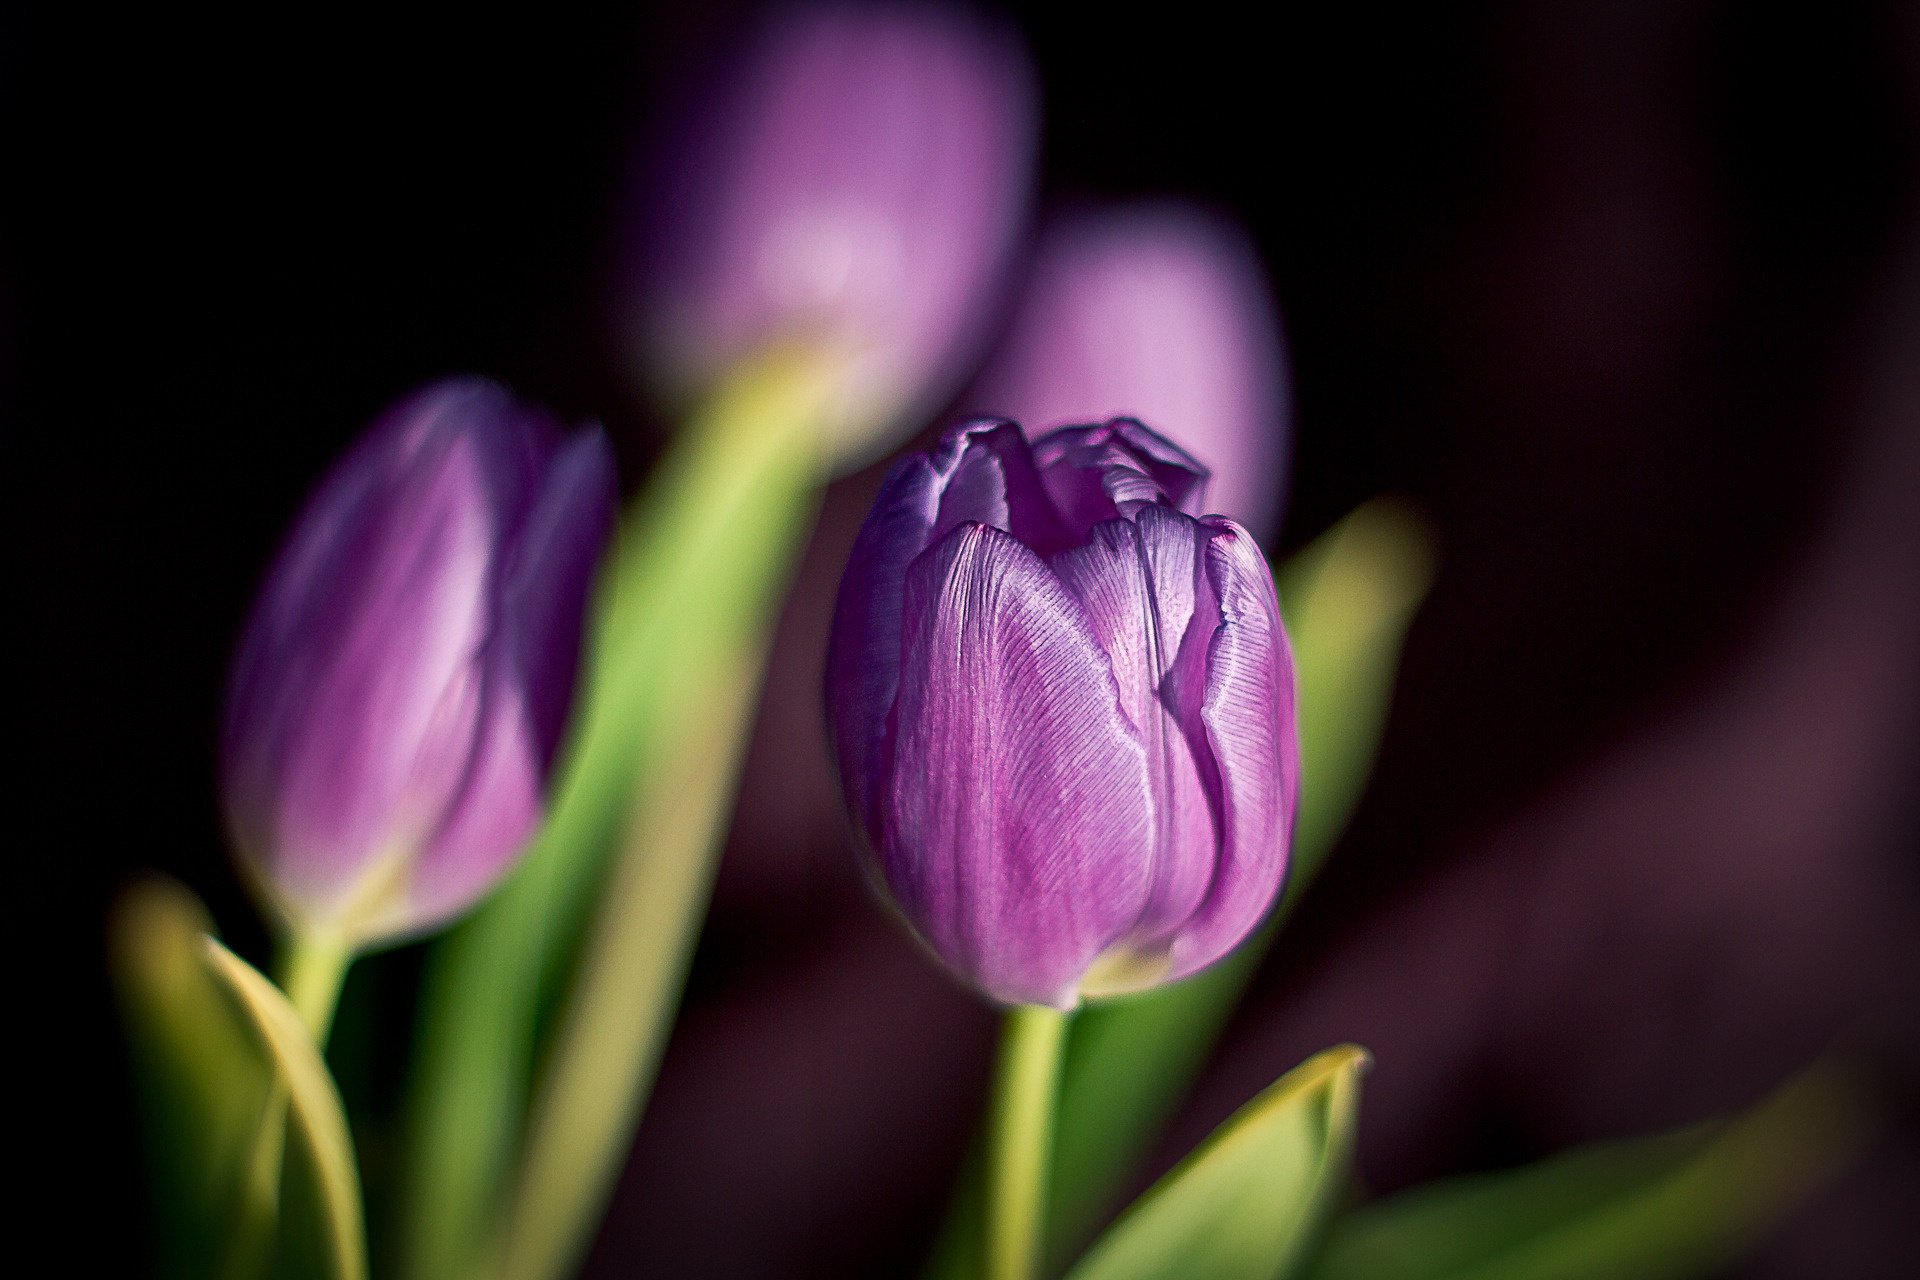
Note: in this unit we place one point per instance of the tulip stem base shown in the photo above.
(1026, 1086)
(311, 972)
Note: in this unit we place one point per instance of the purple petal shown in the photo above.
(381, 599)
(1136, 580)
(1249, 715)
(1160, 312)
(980, 471)
(1096, 473)
(855, 180)
(1017, 814)
(548, 574)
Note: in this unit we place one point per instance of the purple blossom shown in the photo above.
(405, 677)
(852, 183)
(1063, 707)
(1161, 312)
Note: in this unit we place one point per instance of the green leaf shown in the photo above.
(608, 1044)
(202, 1084)
(1348, 599)
(1657, 1208)
(315, 1104)
(1246, 1204)
(607, 904)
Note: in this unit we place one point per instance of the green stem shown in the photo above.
(1026, 1085)
(311, 971)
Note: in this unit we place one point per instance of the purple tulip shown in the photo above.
(1159, 312)
(406, 674)
(1063, 707)
(853, 184)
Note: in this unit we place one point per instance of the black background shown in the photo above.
(1605, 288)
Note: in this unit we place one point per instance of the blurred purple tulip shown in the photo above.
(1159, 312)
(854, 183)
(407, 671)
(1063, 707)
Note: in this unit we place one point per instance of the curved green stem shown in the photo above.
(310, 972)
(1026, 1085)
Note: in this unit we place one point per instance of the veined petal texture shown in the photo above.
(1012, 759)
(1063, 710)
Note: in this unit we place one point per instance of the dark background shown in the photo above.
(1623, 295)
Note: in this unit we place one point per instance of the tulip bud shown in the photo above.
(852, 186)
(1063, 708)
(406, 674)
(1159, 312)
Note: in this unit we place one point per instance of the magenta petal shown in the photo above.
(1017, 813)
(1249, 716)
(1136, 579)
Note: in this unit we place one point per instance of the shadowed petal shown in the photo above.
(1017, 805)
(1248, 713)
(548, 575)
(1095, 473)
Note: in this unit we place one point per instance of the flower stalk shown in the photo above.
(1026, 1087)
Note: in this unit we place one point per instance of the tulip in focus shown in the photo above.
(1063, 708)
(405, 677)
(1159, 312)
(852, 186)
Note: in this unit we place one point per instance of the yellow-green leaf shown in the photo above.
(202, 1083)
(1664, 1207)
(1247, 1203)
(315, 1104)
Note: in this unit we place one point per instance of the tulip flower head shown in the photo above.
(852, 185)
(405, 677)
(1161, 312)
(1063, 708)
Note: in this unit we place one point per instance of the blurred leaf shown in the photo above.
(608, 1044)
(202, 1083)
(684, 607)
(1656, 1208)
(1348, 599)
(1246, 1204)
(315, 1104)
